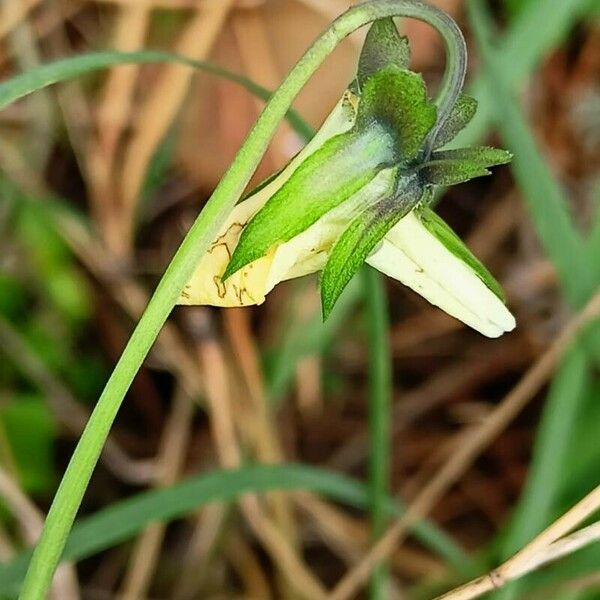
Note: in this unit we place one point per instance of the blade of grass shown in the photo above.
(521, 48)
(66, 69)
(585, 447)
(512, 7)
(308, 337)
(548, 206)
(527, 42)
(539, 502)
(532, 42)
(593, 242)
(545, 199)
(380, 401)
(122, 520)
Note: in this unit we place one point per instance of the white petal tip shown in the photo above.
(501, 323)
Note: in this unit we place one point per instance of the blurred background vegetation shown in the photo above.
(99, 179)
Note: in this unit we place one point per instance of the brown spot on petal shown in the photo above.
(221, 289)
(221, 241)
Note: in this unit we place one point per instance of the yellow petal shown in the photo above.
(250, 285)
(414, 256)
(244, 288)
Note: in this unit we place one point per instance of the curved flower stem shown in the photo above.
(72, 488)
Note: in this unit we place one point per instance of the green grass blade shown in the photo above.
(584, 448)
(540, 499)
(545, 199)
(527, 42)
(70, 68)
(521, 49)
(593, 242)
(568, 250)
(380, 400)
(123, 520)
(306, 337)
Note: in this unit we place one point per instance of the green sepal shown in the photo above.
(383, 46)
(457, 166)
(265, 182)
(328, 177)
(358, 240)
(482, 155)
(460, 116)
(397, 99)
(451, 172)
(443, 232)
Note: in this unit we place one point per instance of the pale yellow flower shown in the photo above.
(409, 252)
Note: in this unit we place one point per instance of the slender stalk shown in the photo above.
(379, 416)
(76, 478)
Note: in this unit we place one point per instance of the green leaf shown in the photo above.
(519, 52)
(546, 199)
(29, 428)
(397, 99)
(69, 68)
(56, 274)
(158, 168)
(328, 177)
(456, 166)
(593, 241)
(462, 113)
(356, 243)
(13, 297)
(584, 451)
(442, 231)
(383, 46)
(553, 455)
(122, 520)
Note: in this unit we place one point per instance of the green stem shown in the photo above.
(76, 478)
(379, 416)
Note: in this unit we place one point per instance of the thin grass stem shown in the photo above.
(380, 402)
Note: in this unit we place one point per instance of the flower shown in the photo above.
(360, 191)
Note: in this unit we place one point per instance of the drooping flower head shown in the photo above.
(361, 191)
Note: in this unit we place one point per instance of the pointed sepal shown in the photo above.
(341, 167)
(463, 111)
(396, 99)
(359, 239)
(451, 167)
(383, 46)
